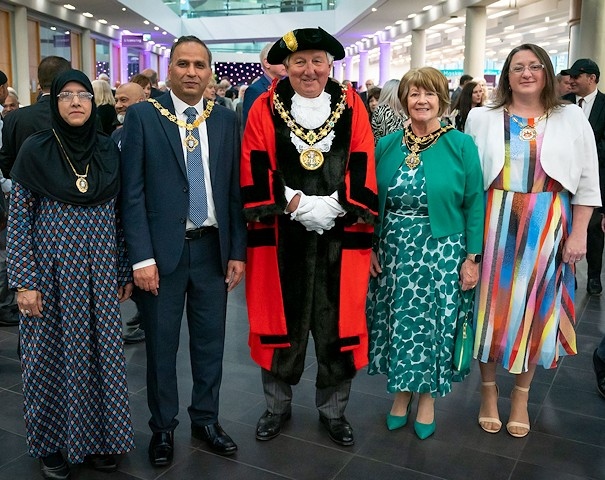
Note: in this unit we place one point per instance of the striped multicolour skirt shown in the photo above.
(525, 298)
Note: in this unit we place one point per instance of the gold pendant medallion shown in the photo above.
(528, 133)
(311, 159)
(412, 160)
(82, 184)
(190, 142)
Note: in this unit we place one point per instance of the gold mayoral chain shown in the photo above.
(417, 144)
(81, 182)
(528, 132)
(310, 158)
(189, 141)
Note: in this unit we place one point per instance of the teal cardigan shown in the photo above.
(454, 184)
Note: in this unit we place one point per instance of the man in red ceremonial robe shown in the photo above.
(309, 188)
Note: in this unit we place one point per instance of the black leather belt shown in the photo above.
(196, 233)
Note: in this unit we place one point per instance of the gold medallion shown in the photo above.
(311, 158)
(528, 133)
(82, 184)
(412, 160)
(190, 142)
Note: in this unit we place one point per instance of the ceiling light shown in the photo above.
(434, 35)
(67, 32)
(53, 28)
(492, 40)
(546, 19)
(146, 22)
(374, 9)
(451, 30)
(542, 44)
(538, 30)
(514, 35)
(411, 15)
(69, 6)
(501, 13)
(88, 14)
(398, 22)
(115, 27)
(123, 9)
(509, 28)
(102, 21)
(164, 33)
(427, 8)
(388, 27)
(553, 51)
(156, 28)
(562, 24)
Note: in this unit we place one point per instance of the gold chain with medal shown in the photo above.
(311, 158)
(416, 144)
(189, 141)
(81, 181)
(528, 132)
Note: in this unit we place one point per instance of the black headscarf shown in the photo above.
(42, 166)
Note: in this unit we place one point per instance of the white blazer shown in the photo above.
(569, 152)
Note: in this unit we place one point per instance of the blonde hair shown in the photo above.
(102, 93)
(428, 78)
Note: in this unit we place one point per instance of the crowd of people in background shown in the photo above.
(372, 221)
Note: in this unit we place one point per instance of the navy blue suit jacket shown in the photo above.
(252, 93)
(155, 190)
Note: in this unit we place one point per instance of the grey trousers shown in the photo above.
(330, 401)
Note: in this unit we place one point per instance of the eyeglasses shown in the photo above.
(533, 68)
(69, 96)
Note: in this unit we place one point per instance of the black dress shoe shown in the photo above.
(599, 369)
(55, 470)
(594, 286)
(102, 463)
(215, 437)
(161, 449)
(339, 429)
(269, 424)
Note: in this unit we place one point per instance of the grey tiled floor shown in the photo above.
(567, 439)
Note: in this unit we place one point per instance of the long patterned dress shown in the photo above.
(412, 305)
(525, 296)
(74, 376)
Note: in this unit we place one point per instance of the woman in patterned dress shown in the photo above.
(429, 240)
(388, 116)
(70, 271)
(541, 178)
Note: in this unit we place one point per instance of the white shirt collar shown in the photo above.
(180, 105)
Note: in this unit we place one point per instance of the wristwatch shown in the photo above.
(475, 257)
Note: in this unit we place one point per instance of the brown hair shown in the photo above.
(548, 97)
(428, 78)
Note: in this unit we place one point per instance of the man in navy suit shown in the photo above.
(186, 239)
(584, 74)
(262, 84)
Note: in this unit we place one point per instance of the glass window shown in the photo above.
(55, 40)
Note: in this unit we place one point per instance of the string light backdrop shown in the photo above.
(238, 73)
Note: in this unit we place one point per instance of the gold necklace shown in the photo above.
(528, 132)
(189, 141)
(416, 144)
(311, 158)
(81, 182)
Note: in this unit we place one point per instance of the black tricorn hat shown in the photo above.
(305, 39)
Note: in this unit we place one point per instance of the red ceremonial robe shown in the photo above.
(269, 163)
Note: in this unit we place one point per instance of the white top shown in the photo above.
(569, 152)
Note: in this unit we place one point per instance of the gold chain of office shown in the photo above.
(416, 144)
(189, 141)
(311, 158)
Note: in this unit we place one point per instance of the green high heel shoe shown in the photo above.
(398, 421)
(424, 430)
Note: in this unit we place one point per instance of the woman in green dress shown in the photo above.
(429, 242)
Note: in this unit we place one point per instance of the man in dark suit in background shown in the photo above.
(584, 74)
(186, 237)
(25, 121)
(262, 84)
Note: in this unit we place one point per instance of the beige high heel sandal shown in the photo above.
(519, 424)
(484, 420)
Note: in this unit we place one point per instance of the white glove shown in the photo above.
(319, 212)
